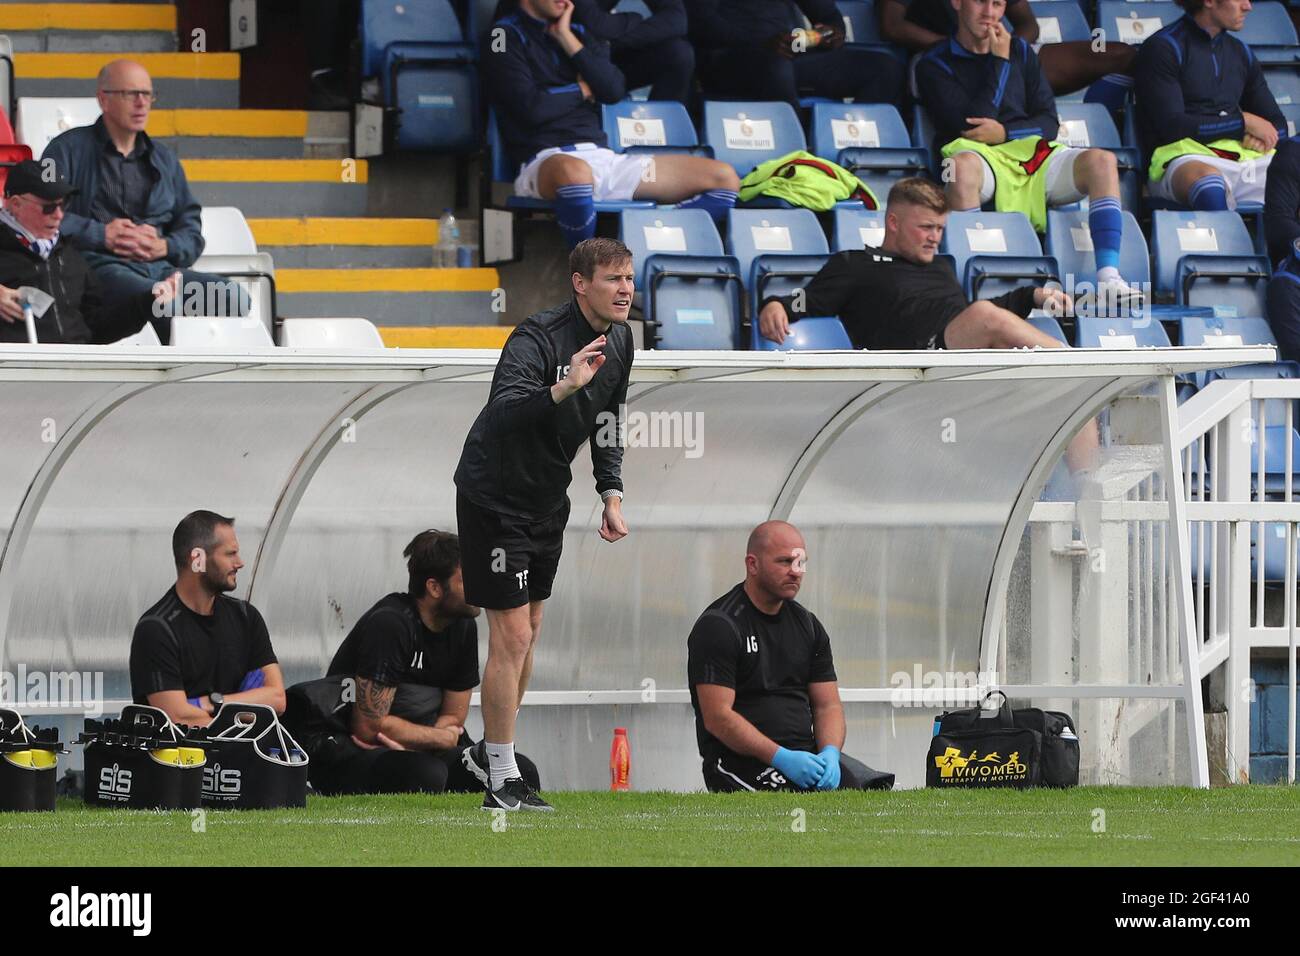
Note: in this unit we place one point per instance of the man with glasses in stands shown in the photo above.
(133, 215)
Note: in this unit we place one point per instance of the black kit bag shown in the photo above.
(28, 764)
(1018, 749)
(253, 761)
(142, 761)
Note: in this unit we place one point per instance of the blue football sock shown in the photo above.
(1208, 193)
(1110, 91)
(715, 202)
(576, 213)
(1106, 223)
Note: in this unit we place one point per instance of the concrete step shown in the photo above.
(391, 297)
(446, 336)
(319, 243)
(281, 187)
(181, 80)
(218, 134)
(87, 28)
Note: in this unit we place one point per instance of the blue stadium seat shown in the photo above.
(870, 141)
(814, 332)
(1133, 22)
(649, 126)
(860, 24)
(1292, 113)
(1069, 242)
(748, 133)
(1270, 34)
(923, 137)
(857, 229)
(1045, 323)
(1090, 124)
(995, 252)
(426, 71)
(1091, 332)
(1208, 258)
(1219, 331)
(691, 292)
(777, 250)
(1060, 21)
(1285, 85)
(632, 6)
(505, 171)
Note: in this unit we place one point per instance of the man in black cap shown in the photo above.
(33, 256)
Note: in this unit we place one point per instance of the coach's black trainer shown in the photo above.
(515, 794)
(475, 760)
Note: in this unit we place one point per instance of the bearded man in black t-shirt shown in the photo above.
(198, 647)
(402, 679)
(767, 705)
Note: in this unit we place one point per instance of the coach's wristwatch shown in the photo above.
(217, 700)
(611, 493)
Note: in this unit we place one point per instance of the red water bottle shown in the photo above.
(620, 761)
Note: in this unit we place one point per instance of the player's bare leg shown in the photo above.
(535, 622)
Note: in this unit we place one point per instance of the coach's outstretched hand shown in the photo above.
(773, 323)
(831, 778)
(612, 525)
(582, 369)
(799, 766)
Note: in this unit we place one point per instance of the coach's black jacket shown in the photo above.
(518, 453)
(64, 275)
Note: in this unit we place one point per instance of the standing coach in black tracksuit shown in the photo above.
(561, 375)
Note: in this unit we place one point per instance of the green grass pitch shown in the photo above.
(1169, 826)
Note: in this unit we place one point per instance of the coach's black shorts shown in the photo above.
(507, 561)
(732, 773)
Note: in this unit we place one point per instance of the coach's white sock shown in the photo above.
(501, 763)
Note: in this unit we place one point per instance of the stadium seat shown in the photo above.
(813, 333)
(9, 155)
(1060, 21)
(1133, 22)
(860, 24)
(777, 250)
(923, 134)
(1270, 34)
(1292, 113)
(645, 126)
(870, 141)
(330, 334)
(256, 275)
(1069, 242)
(1208, 258)
(426, 73)
(995, 252)
(1220, 331)
(747, 134)
(41, 118)
(691, 292)
(226, 232)
(1045, 323)
(7, 76)
(633, 6)
(1091, 332)
(505, 171)
(189, 332)
(1090, 124)
(1284, 84)
(857, 229)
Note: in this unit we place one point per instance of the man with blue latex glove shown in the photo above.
(767, 705)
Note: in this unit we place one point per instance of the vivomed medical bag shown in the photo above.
(980, 747)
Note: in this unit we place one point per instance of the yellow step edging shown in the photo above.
(88, 16)
(345, 172)
(386, 280)
(446, 336)
(260, 123)
(336, 231)
(86, 66)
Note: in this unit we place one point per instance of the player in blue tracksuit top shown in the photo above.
(546, 77)
(1206, 118)
(1282, 200)
(996, 122)
(1284, 305)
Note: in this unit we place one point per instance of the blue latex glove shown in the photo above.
(799, 767)
(831, 778)
(253, 680)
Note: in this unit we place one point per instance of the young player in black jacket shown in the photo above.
(561, 380)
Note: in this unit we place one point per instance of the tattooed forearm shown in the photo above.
(373, 700)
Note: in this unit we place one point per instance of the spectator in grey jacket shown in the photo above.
(133, 215)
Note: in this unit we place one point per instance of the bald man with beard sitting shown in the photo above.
(767, 706)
